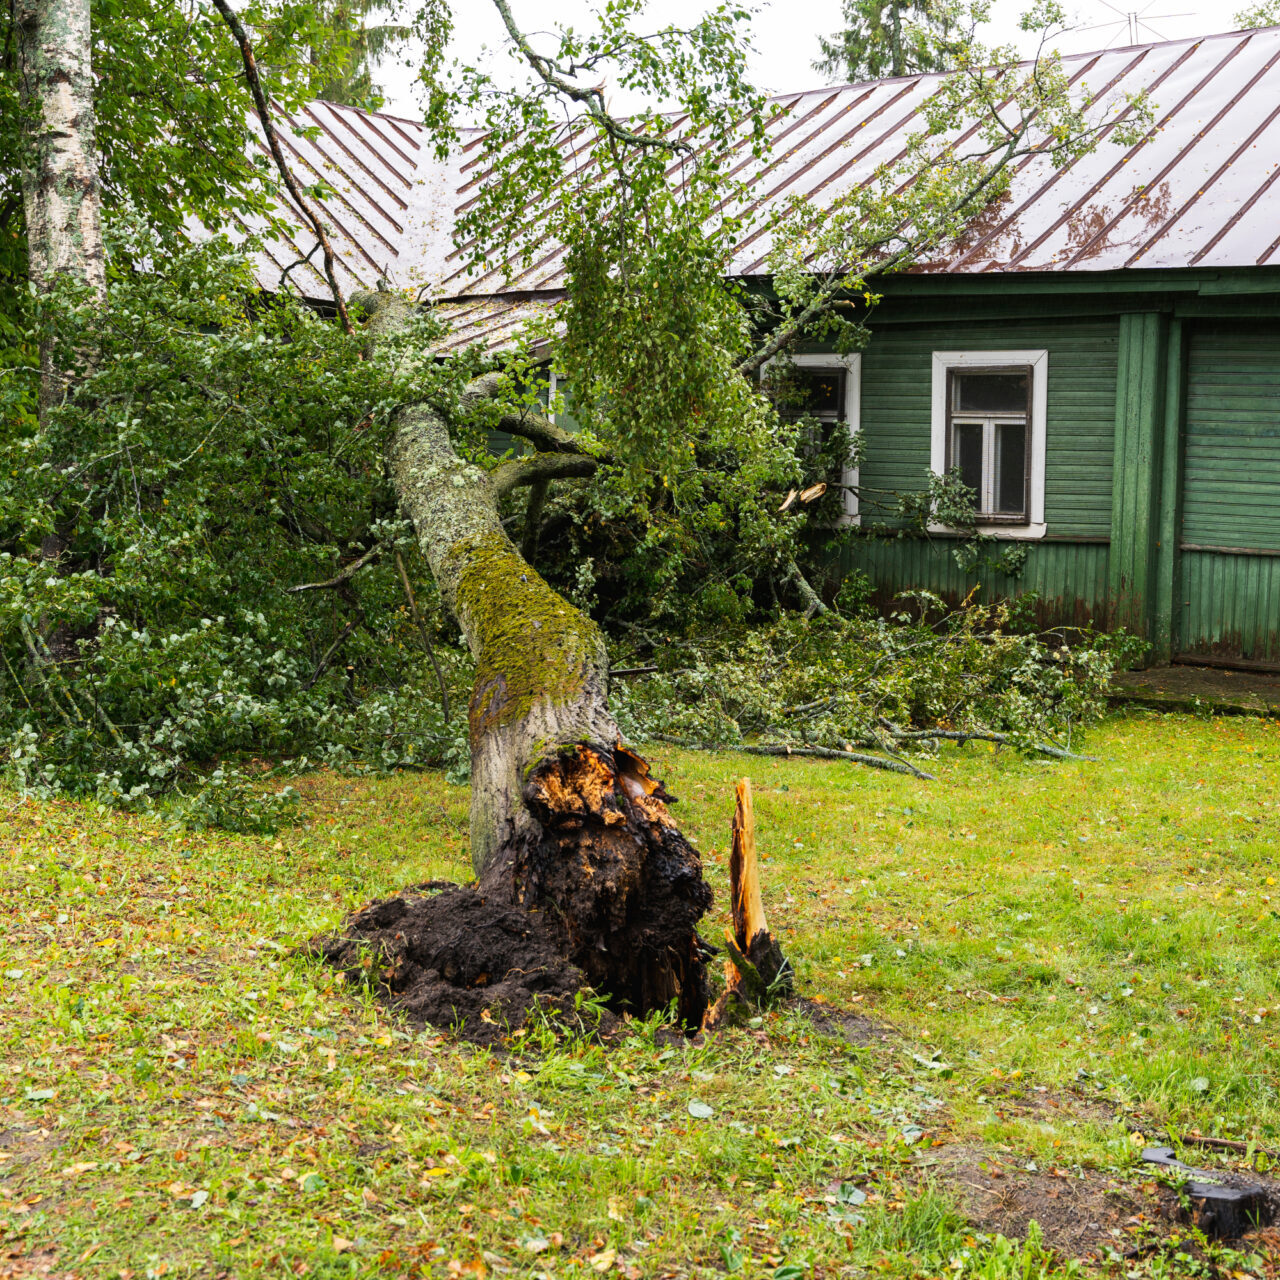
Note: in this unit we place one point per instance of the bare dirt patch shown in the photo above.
(21, 1145)
(855, 1028)
(18, 1264)
(1082, 1213)
(1014, 1100)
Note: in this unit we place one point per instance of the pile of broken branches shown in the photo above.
(886, 693)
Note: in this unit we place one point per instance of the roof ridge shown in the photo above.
(1082, 55)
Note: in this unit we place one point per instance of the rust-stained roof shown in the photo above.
(1200, 190)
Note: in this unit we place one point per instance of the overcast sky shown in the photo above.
(786, 33)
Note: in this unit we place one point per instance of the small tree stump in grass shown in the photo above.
(756, 971)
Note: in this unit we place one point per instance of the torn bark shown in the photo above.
(565, 822)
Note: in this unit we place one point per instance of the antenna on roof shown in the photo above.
(1137, 24)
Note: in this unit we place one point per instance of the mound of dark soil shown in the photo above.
(606, 892)
(444, 955)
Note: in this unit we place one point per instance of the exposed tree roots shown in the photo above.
(605, 893)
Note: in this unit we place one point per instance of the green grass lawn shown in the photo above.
(1042, 958)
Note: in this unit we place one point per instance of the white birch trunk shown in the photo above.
(60, 184)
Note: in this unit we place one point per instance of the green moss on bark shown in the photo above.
(532, 644)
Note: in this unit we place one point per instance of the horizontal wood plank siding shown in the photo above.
(896, 390)
(1069, 578)
(1231, 487)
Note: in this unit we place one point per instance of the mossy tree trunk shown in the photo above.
(563, 818)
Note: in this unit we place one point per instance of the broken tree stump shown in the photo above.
(756, 971)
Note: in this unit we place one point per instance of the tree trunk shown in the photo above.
(61, 196)
(563, 818)
(61, 192)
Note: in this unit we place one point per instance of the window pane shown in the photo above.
(819, 392)
(1011, 468)
(968, 455)
(990, 391)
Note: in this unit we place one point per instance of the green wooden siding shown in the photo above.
(1231, 487)
(896, 397)
(1070, 578)
(1230, 606)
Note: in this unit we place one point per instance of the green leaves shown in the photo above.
(891, 38)
(869, 682)
(227, 447)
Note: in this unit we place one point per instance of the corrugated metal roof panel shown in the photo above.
(1201, 189)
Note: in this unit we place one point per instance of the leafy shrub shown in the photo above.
(220, 448)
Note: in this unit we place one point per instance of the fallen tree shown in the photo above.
(566, 824)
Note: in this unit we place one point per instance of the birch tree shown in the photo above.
(61, 192)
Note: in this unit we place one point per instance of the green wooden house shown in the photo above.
(1100, 356)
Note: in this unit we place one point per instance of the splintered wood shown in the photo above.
(756, 970)
(746, 906)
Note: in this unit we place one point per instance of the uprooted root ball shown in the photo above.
(605, 893)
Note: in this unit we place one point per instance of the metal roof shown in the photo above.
(1200, 189)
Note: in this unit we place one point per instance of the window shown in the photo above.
(988, 422)
(826, 387)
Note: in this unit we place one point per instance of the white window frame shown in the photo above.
(943, 362)
(553, 387)
(852, 366)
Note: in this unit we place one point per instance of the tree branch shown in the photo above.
(540, 467)
(822, 753)
(323, 665)
(533, 518)
(241, 38)
(344, 575)
(592, 100)
(538, 429)
(543, 433)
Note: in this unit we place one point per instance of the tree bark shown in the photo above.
(60, 187)
(564, 820)
(61, 193)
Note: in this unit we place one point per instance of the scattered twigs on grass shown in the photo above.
(982, 735)
(821, 753)
(1252, 1150)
